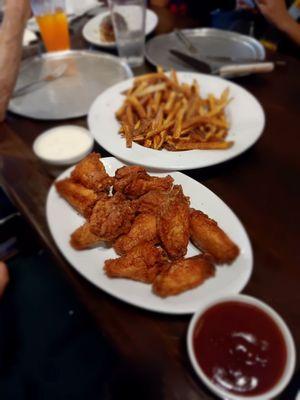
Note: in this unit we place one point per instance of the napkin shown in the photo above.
(28, 37)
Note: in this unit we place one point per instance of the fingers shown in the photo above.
(4, 277)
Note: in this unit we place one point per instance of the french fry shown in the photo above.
(160, 112)
(129, 116)
(174, 76)
(151, 89)
(128, 136)
(170, 102)
(178, 124)
(203, 145)
(137, 105)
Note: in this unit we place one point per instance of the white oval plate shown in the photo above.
(63, 220)
(246, 116)
(91, 31)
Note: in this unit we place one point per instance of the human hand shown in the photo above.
(275, 11)
(4, 277)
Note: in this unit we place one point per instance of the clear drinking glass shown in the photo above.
(128, 17)
(53, 23)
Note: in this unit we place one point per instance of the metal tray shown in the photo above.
(209, 42)
(88, 74)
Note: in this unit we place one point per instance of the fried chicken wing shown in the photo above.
(125, 175)
(182, 275)
(152, 202)
(173, 224)
(143, 229)
(83, 238)
(210, 238)
(78, 196)
(90, 172)
(112, 217)
(142, 263)
(134, 182)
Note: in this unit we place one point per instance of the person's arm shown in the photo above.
(276, 12)
(4, 277)
(16, 14)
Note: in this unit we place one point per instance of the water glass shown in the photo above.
(53, 23)
(128, 17)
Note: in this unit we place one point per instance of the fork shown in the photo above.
(184, 39)
(57, 73)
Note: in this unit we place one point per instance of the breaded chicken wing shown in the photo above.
(90, 172)
(173, 224)
(83, 238)
(152, 202)
(210, 238)
(143, 229)
(182, 275)
(78, 196)
(134, 182)
(112, 217)
(142, 263)
(125, 175)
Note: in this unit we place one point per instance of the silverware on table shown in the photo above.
(239, 60)
(57, 73)
(222, 59)
(184, 39)
(229, 70)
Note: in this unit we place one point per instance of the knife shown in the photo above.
(240, 60)
(224, 71)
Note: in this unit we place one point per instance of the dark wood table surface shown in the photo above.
(261, 186)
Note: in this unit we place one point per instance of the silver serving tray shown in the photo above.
(208, 42)
(88, 74)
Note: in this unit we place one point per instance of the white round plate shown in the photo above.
(246, 117)
(63, 220)
(91, 31)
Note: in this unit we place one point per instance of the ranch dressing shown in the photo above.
(63, 143)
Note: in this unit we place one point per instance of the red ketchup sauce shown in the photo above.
(240, 348)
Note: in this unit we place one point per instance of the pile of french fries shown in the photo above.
(159, 112)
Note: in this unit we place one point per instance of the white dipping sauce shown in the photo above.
(63, 143)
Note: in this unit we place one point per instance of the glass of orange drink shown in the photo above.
(53, 23)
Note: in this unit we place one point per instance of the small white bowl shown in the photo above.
(56, 136)
(290, 346)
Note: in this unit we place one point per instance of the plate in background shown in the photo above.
(88, 74)
(245, 114)
(91, 31)
(208, 42)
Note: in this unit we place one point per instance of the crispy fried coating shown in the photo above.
(210, 238)
(112, 217)
(182, 275)
(142, 263)
(81, 198)
(90, 172)
(173, 224)
(143, 229)
(125, 175)
(83, 238)
(152, 202)
(134, 181)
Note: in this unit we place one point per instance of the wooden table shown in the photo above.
(261, 186)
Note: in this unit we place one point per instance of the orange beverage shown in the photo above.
(54, 30)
